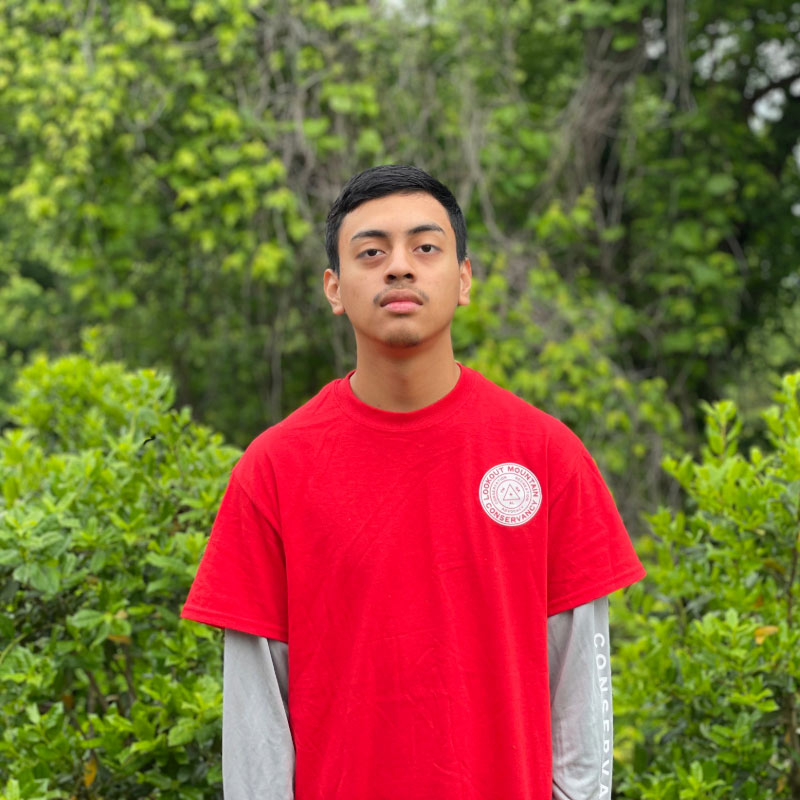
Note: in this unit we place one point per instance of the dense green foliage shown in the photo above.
(107, 499)
(708, 687)
(169, 163)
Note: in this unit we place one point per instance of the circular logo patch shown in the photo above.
(510, 494)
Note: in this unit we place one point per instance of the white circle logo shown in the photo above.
(510, 494)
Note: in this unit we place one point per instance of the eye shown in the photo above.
(370, 252)
(428, 248)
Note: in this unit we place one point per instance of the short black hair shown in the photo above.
(382, 181)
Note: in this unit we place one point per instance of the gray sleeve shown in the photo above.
(580, 702)
(258, 755)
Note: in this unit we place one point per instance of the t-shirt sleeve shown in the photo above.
(241, 580)
(589, 552)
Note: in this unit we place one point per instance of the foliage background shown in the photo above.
(629, 172)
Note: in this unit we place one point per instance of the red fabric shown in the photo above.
(416, 622)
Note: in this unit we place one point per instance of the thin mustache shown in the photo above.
(418, 292)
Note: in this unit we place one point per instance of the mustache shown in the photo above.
(418, 292)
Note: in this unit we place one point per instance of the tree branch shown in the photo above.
(783, 83)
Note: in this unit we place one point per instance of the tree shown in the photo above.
(170, 164)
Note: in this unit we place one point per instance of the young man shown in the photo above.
(412, 568)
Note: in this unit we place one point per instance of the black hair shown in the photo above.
(382, 181)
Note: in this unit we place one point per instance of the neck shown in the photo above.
(404, 383)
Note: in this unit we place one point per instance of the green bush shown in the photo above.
(108, 495)
(707, 682)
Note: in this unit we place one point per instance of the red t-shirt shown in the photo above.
(411, 561)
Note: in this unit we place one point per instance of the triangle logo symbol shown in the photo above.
(510, 493)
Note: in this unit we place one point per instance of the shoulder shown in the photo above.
(303, 425)
(529, 420)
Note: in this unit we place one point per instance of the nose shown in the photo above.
(400, 266)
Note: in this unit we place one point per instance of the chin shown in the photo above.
(402, 339)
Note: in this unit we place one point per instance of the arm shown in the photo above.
(580, 702)
(258, 755)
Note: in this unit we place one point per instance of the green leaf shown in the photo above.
(87, 618)
(182, 733)
(720, 184)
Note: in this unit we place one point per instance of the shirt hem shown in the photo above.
(587, 595)
(218, 620)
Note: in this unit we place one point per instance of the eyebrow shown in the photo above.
(374, 233)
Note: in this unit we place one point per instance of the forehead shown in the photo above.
(395, 214)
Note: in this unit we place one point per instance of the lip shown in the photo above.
(400, 300)
(401, 306)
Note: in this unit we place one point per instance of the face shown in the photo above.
(399, 278)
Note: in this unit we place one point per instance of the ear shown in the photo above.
(330, 283)
(465, 275)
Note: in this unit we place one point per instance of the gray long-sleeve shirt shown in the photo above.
(258, 755)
